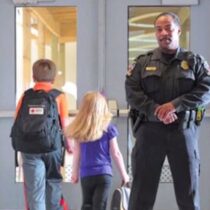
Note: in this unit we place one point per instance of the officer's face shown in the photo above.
(167, 33)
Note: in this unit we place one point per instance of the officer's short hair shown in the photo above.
(44, 70)
(171, 14)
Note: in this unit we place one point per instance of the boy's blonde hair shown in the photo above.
(44, 70)
(92, 119)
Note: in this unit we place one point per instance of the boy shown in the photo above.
(42, 175)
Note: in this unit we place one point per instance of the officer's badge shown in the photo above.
(185, 65)
(151, 68)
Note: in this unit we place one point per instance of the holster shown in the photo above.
(136, 119)
(191, 117)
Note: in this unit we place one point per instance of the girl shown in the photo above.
(95, 141)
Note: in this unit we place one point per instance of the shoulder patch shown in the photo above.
(130, 69)
(141, 59)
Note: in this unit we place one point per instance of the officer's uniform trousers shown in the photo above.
(154, 142)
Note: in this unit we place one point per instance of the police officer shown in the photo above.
(168, 88)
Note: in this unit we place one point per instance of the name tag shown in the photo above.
(36, 111)
(151, 68)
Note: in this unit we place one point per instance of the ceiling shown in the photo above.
(61, 21)
(67, 18)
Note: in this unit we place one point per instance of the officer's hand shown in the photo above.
(170, 118)
(163, 111)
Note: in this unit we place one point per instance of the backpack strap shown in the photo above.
(55, 92)
(30, 90)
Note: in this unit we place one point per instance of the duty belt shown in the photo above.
(186, 119)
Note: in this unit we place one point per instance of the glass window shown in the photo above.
(47, 32)
(141, 36)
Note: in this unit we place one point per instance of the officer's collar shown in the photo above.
(180, 55)
(157, 54)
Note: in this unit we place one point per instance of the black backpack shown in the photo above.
(37, 127)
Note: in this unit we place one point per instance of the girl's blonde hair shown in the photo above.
(92, 119)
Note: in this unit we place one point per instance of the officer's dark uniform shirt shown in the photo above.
(184, 80)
